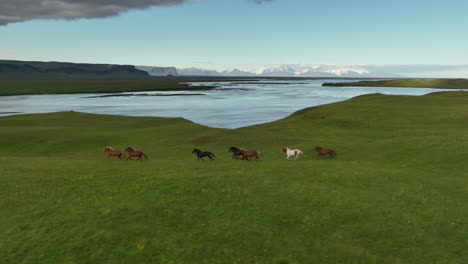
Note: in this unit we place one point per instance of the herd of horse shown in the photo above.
(237, 153)
(131, 152)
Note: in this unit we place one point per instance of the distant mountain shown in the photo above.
(236, 72)
(295, 70)
(159, 71)
(197, 72)
(66, 70)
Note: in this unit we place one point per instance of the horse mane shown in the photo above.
(108, 148)
(131, 149)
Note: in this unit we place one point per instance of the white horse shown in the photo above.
(296, 153)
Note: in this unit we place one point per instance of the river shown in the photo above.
(231, 105)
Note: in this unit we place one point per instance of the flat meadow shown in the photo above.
(9, 87)
(396, 193)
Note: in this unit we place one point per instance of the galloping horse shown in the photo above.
(113, 153)
(236, 152)
(250, 153)
(201, 154)
(296, 153)
(133, 153)
(323, 152)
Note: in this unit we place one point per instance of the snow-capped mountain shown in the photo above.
(324, 71)
(293, 70)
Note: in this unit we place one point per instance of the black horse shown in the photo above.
(236, 153)
(201, 154)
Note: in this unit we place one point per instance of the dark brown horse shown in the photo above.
(134, 153)
(200, 154)
(113, 153)
(250, 153)
(321, 152)
(236, 152)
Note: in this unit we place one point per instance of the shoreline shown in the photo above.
(50, 87)
(17, 87)
(449, 84)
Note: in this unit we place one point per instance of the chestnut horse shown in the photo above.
(236, 153)
(133, 153)
(250, 153)
(323, 152)
(296, 153)
(113, 153)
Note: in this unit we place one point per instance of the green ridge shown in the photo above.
(438, 83)
(397, 193)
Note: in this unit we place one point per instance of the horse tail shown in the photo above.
(144, 155)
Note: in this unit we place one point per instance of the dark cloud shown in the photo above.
(22, 10)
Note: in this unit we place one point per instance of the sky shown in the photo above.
(223, 34)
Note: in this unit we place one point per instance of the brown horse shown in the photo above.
(323, 152)
(250, 153)
(133, 153)
(235, 152)
(113, 153)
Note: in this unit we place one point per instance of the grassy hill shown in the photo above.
(438, 83)
(66, 70)
(397, 193)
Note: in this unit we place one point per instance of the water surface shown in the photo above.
(232, 105)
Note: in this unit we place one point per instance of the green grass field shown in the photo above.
(397, 193)
(23, 87)
(437, 83)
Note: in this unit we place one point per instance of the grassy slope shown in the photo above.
(439, 83)
(22, 87)
(396, 194)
